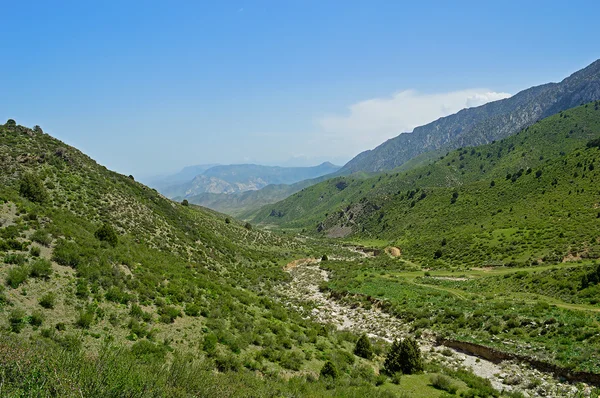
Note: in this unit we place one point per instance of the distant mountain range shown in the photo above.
(483, 124)
(239, 178)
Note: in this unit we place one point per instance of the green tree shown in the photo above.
(108, 234)
(185, 202)
(31, 187)
(329, 370)
(363, 347)
(10, 123)
(404, 356)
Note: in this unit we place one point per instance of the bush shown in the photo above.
(404, 356)
(31, 188)
(169, 313)
(16, 276)
(66, 253)
(145, 349)
(117, 295)
(42, 238)
(363, 347)
(47, 300)
(329, 370)
(185, 202)
(248, 226)
(292, 360)
(192, 309)
(36, 319)
(443, 383)
(41, 268)
(595, 143)
(16, 320)
(35, 251)
(107, 233)
(17, 259)
(85, 319)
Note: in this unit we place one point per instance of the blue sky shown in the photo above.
(149, 87)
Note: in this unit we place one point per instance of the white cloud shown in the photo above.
(369, 123)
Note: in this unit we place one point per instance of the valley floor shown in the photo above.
(303, 293)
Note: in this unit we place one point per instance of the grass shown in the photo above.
(485, 307)
(109, 314)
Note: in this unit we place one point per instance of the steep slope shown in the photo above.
(529, 197)
(483, 124)
(245, 177)
(110, 289)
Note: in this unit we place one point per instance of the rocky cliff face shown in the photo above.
(483, 124)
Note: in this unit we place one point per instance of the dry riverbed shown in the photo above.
(303, 294)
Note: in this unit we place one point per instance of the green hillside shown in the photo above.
(528, 198)
(500, 243)
(110, 289)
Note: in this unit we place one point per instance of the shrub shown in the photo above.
(192, 309)
(16, 320)
(41, 268)
(16, 276)
(31, 188)
(363, 347)
(17, 259)
(443, 383)
(47, 300)
(66, 253)
(185, 202)
(107, 233)
(324, 258)
(42, 238)
(117, 295)
(145, 349)
(329, 370)
(292, 360)
(364, 372)
(595, 143)
(404, 356)
(248, 226)
(169, 313)
(36, 319)
(85, 319)
(35, 251)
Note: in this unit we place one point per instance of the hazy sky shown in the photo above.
(149, 87)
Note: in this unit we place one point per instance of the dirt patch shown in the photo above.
(571, 257)
(393, 251)
(303, 261)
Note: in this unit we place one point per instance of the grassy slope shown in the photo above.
(538, 232)
(521, 221)
(179, 280)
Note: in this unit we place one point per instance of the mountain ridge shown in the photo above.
(482, 124)
(236, 178)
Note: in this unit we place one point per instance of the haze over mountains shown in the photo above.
(228, 179)
(240, 190)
